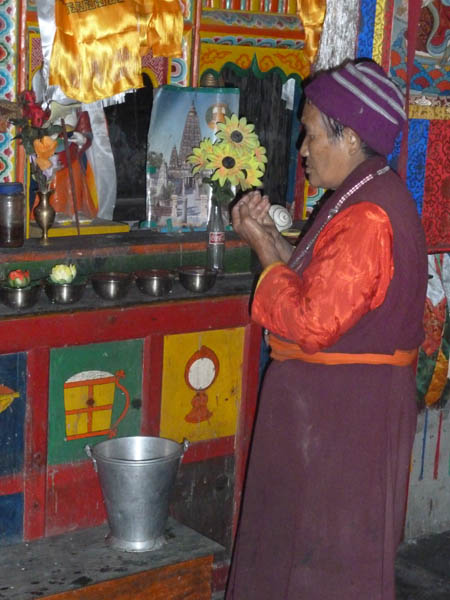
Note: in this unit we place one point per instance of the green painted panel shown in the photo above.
(90, 387)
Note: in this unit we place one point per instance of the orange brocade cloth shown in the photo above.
(348, 276)
(98, 45)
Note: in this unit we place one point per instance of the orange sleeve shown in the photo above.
(349, 274)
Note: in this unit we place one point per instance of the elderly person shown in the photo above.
(325, 493)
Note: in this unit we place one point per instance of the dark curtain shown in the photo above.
(261, 103)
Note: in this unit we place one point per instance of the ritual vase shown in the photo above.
(44, 213)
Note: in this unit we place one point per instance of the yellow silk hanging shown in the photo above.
(312, 15)
(98, 43)
(160, 27)
(95, 50)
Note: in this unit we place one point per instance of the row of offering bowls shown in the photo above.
(111, 286)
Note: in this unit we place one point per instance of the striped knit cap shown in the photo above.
(361, 96)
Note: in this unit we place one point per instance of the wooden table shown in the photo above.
(79, 566)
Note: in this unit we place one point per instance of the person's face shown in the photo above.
(326, 158)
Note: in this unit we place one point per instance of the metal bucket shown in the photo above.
(137, 475)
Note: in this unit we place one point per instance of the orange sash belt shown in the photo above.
(282, 350)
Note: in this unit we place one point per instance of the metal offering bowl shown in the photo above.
(20, 297)
(64, 293)
(111, 286)
(155, 282)
(197, 279)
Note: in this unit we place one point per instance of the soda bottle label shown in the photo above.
(216, 237)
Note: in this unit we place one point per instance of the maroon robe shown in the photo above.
(326, 487)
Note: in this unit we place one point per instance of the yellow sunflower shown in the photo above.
(252, 176)
(200, 156)
(237, 132)
(227, 164)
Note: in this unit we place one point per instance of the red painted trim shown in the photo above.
(219, 575)
(74, 498)
(273, 6)
(299, 190)
(11, 484)
(38, 362)
(80, 436)
(21, 43)
(177, 248)
(147, 249)
(209, 449)
(386, 50)
(114, 324)
(439, 249)
(437, 453)
(89, 409)
(250, 384)
(152, 384)
(195, 57)
(21, 77)
(271, 34)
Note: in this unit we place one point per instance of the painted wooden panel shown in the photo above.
(94, 393)
(11, 518)
(201, 389)
(12, 425)
(12, 412)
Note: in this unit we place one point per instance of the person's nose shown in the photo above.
(304, 148)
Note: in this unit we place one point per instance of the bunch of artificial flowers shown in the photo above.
(37, 135)
(235, 158)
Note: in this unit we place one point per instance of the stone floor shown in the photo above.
(423, 568)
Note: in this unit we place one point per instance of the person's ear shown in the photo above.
(353, 141)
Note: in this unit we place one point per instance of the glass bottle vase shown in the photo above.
(216, 237)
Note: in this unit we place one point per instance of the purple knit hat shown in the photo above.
(362, 97)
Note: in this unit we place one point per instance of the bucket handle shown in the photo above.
(88, 450)
(186, 443)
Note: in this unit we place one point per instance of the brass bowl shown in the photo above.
(155, 282)
(197, 279)
(64, 293)
(111, 286)
(20, 297)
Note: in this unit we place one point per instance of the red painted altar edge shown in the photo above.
(112, 324)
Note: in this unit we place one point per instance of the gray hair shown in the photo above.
(335, 130)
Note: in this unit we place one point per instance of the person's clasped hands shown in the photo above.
(253, 224)
(251, 219)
